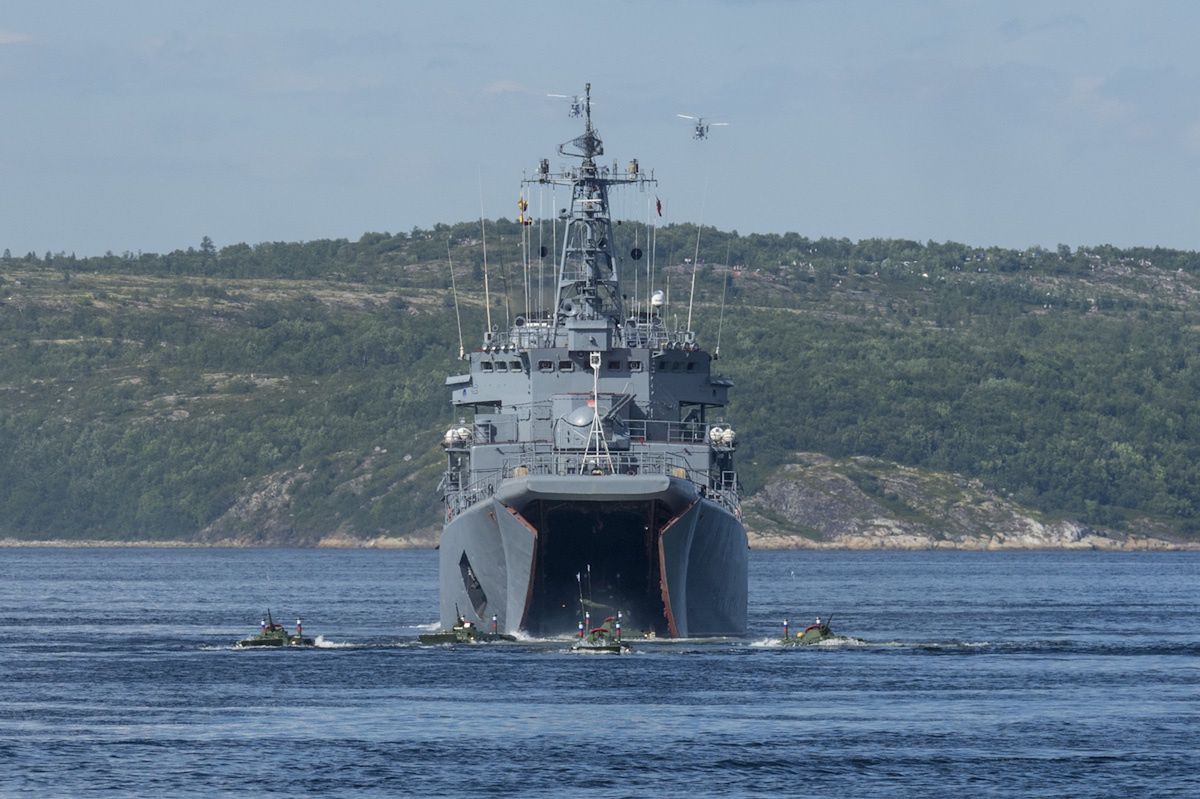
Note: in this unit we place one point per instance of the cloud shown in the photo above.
(507, 87)
(1065, 24)
(1090, 95)
(301, 82)
(12, 37)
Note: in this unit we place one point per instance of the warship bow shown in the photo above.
(589, 466)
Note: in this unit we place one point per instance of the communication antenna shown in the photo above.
(507, 285)
(487, 296)
(650, 263)
(721, 317)
(524, 221)
(696, 255)
(454, 291)
(541, 303)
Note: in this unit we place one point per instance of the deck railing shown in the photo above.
(542, 334)
(721, 488)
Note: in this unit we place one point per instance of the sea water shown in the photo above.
(1029, 674)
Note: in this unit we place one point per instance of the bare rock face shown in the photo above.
(863, 503)
(262, 515)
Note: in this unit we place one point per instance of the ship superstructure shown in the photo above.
(589, 468)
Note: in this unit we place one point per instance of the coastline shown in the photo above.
(757, 542)
(976, 544)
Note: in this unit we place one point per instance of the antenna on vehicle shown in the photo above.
(582, 611)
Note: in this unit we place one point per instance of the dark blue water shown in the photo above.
(978, 674)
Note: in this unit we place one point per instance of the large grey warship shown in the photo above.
(589, 468)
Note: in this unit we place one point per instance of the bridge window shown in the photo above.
(516, 366)
(546, 366)
(566, 366)
(635, 366)
(614, 366)
(501, 366)
(486, 366)
(691, 367)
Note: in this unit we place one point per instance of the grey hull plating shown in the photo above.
(495, 561)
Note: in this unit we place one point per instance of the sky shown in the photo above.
(143, 126)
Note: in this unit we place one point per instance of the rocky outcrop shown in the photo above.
(262, 515)
(863, 503)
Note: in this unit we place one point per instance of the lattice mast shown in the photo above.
(588, 281)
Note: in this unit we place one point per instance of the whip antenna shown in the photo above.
(696, 255)
(454, 292)
(721, 317)
(487, 297)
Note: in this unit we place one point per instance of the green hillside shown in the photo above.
(200, 393)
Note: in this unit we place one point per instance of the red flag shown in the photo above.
(658, 205)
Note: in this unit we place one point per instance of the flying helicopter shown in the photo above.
(700, 130)
(576, 103)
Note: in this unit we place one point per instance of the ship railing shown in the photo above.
(529, 335)
(726, 481)
(730, 500)
(641, 430)
(458, 497)
(651, 335)
(569, 463)
(723, 490)
(542, 334)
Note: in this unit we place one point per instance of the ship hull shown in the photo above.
(543, 550)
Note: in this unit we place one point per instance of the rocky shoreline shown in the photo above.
(973, 544)
(757, 541)
(818, 502)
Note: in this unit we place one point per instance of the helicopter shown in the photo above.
(576, 103)
(700, 131)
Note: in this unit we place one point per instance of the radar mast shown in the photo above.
(588, 282)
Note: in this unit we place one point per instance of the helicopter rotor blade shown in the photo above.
(684, 116)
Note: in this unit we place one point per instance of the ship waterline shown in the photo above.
(593, 477)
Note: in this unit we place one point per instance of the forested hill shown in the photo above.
(293, 392)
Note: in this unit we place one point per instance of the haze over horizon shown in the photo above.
(134, 126)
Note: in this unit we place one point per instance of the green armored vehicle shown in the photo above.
(465, 632)
(272, 634)
(603, 639)
(812, 634)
